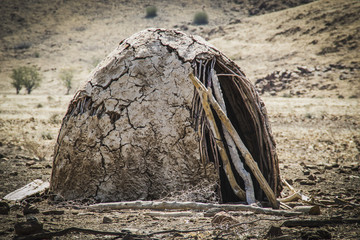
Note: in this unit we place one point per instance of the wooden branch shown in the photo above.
(294, 197)
(297, 194)
(220, 145)
(188, 205)
(172, 214)
(239, 143)
(312, 210)
(36, 186)
(48, 235)
(319, 222)
(239, 166)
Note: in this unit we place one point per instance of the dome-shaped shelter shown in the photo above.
(138, 129)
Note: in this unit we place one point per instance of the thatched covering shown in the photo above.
(137, 129)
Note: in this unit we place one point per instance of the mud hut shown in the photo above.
(163, 112)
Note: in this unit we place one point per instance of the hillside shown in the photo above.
(310, 50)
(78, 34)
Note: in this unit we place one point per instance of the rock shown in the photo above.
(30, 163)
(312, 177)
(30, 209)
(4, 208)
(328, 166)
(107, 220)
(307, 182)
(54, 212)
(223, 218)
(274, 231)
(335, 165)
(309, 166)
(306, 172)
(4, 159)
(304, 70)
(348, 207)
(315, 235)
(31, 226)
(37, 166)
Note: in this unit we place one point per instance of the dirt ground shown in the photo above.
(303, 60)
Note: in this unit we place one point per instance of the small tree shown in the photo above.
(66, 76)
(28, 77)
(18, 78)
(151, 12)
(32, 78)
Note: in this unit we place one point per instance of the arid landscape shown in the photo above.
(302, 56)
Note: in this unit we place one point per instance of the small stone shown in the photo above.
(30, 209)
(324, 234)
(274, 231)
(30, 163)
(348, 207)
(4, 159)
(54, 212)
(36, 166)
(223, 217)
(342, 170)
(14, 173)
(107, 220)
(306, 182)
(306, 172)
(4, 208)
(31, 226)
(328, 166)
(335, 165)
(290, 181)
(312, 177)
(355, 168)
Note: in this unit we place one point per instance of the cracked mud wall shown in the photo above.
(128, 133)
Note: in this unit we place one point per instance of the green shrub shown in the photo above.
(201, 18)
(28, 77)
(55, 119)
(309, 115)
(22, 45)
(151, 12)
(66, 76)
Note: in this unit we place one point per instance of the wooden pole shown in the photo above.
(239, 143)
(220, 145)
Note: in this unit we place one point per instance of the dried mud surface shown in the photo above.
(315, 125)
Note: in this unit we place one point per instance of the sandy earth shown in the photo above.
(303, 60)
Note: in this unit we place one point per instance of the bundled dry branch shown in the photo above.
(249, 187)
(206, 94)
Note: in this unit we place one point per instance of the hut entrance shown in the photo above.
(162, 112)
(244, 109)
